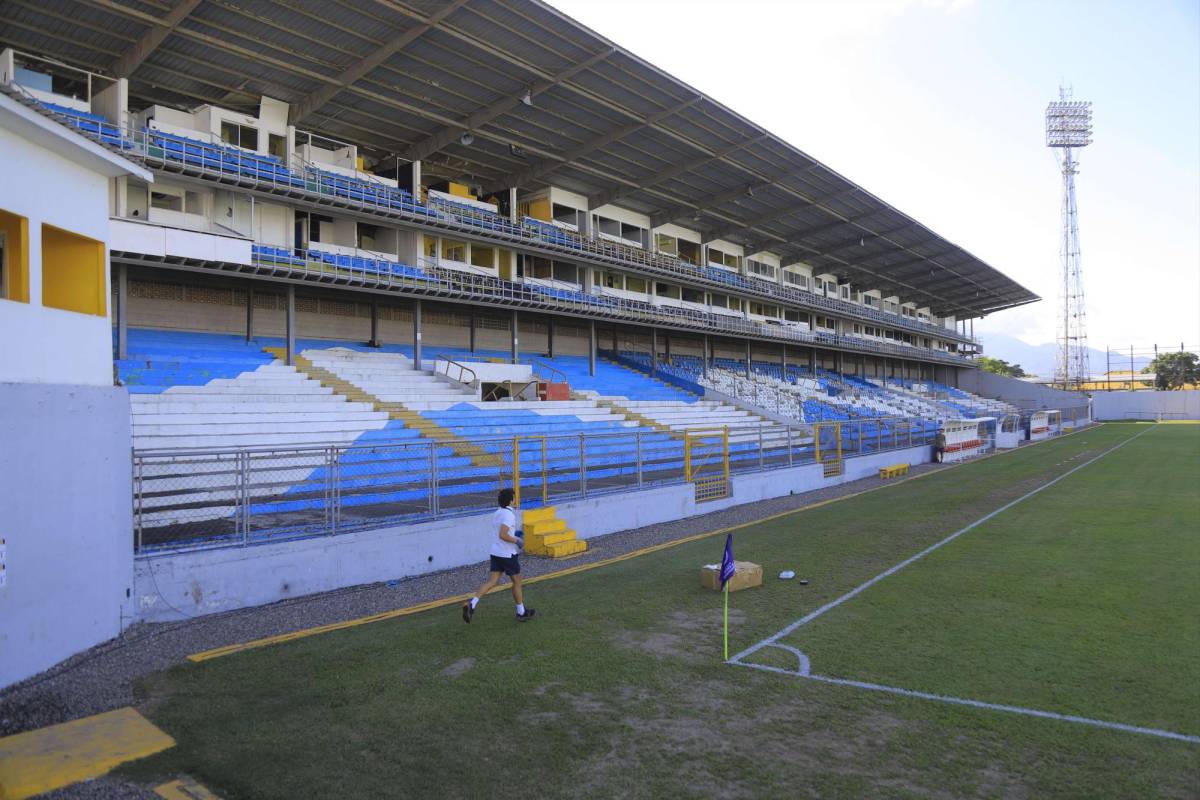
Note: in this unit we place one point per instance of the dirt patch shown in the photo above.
(690, 636)
(459, 667)
(995, 781)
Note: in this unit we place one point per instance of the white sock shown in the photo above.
(474, 602)
(520, 608)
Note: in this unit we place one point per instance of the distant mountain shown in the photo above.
(1038, 359)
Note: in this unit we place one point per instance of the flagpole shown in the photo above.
(727, 620)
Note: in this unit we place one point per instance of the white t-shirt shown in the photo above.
(501, 548)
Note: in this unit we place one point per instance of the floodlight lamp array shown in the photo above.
(1069, 123)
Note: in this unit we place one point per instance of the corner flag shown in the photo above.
(727, 570)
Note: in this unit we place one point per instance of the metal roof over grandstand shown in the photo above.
(545, 100)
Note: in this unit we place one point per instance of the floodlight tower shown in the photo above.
(1069, 126)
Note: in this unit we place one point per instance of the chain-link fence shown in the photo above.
(220, 498)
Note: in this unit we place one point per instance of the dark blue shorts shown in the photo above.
(509, 566)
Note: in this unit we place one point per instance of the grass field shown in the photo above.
(1080, 600)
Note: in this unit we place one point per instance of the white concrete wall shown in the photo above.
(1146, 405)
(49, 345)
(66, 517)
(206, 582)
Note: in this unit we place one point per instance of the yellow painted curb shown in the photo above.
(59, 755)
(218, 652)
(184, 789)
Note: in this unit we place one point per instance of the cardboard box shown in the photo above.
(746, 575)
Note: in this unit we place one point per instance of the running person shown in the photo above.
(506, 548)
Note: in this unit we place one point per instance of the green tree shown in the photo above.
(1174, 370)
(1001, 367)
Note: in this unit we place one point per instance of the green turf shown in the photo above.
(618, 688)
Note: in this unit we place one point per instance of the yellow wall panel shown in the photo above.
(540, 209)
(73, 272)
(16, 243)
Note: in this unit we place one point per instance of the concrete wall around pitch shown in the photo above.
(1146, 405)
(172, 586)
(66, 519)
(1022, 394)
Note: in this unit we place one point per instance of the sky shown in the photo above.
(937, 107)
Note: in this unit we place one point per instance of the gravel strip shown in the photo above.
(101, 679)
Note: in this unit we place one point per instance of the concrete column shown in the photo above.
(513, 215)
(783, 361)
(291, 325)
(592, 347)
(417, 334)
(707, 352)
(415, 167)
(375, 324)
(667, 346)
(471, 331)
(653, 352)
(249, 315)
(812, 360)
(840, 363)
(122, 311)
(515, 342)
(550, 338)
(587, 280)
(749, 370)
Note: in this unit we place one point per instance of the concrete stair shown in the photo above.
(548, 535)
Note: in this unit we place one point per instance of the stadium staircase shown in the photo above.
(546, 534)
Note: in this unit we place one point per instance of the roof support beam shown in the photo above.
(675, 170)
(782, 211)
(720, 198)
(319, 97)
(149, 41)
(449, 133)
(544, 166)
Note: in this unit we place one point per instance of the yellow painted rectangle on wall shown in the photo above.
(73, 272)
(16, 257)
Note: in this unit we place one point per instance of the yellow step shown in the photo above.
(543, 526)
(537, 515)
(546, 539)
(564, 549)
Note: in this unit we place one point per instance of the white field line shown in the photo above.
(832, 604)
(1029, 712)
(803, 667)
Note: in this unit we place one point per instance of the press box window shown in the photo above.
(277, 145)
(239, 135)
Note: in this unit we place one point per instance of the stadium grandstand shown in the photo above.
(298, 287)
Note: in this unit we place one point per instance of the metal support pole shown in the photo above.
(375, 324)
(291, 325)
(582, 466)
(592, 347)
(513, 214)
(748, 358)
(783, 362)
(667, 347)
(471, 332)
(1108, 368)
(249, 316)
(812, 360)
(416, 334)
(122, 311)
(653, 352)
(614, 338)
(639, 457)
(707, 356)
(515, 343)
(550, 338)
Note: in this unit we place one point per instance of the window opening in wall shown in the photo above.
(483, 256)
(631, 233)
(796, 279)
(667, 245)
(633, 284)
(693, 296)
(429, 246)
(367, 236)
(759, 268)
(277, 145)
(667, 290)
(565, 272)
(612, 280)
(239, 135)
(166, 201)
(689, 251)
(454, 251)
(320, 228)
(566, 215)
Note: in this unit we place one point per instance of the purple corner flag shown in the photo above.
(727, 568)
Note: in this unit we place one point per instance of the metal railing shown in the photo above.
(444, 364)
(234, 497)
(217, 161)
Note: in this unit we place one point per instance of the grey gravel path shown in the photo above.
(101, 679)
